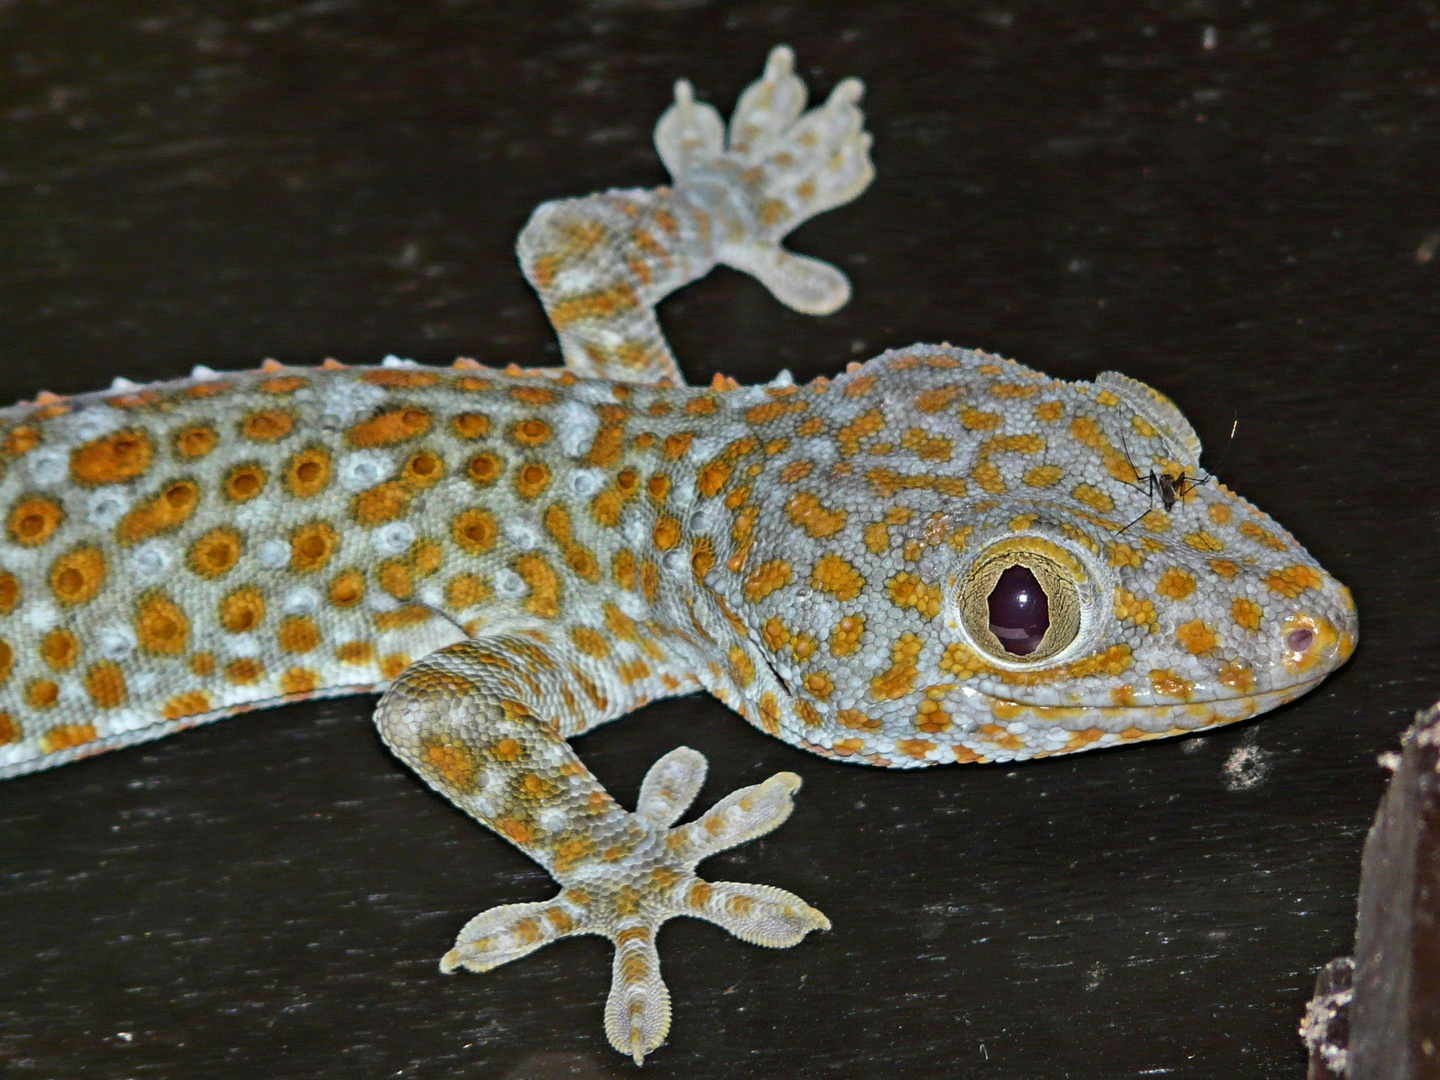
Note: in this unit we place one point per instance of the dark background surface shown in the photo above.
(1245, 226)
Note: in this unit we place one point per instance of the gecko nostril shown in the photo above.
(1300, 639)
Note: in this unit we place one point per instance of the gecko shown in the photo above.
(923, 560)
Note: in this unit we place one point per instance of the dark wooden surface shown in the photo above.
(1244, 226)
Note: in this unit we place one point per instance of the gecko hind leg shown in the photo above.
(458, 721)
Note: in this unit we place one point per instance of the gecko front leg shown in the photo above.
(472, 720)
(601, 263)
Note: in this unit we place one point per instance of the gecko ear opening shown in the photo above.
(1020, 601)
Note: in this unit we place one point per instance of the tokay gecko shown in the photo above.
(938, 556)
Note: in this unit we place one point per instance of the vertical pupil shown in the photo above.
(1019, 611)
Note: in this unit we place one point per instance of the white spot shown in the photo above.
(364, 470)
(553, 819)
(393, 361)
(704, 449)
(675, 562)
(522, 534)
(122, 383)
(150, 562)
(241, 646)
(509, 583)
(381, 601)
(94, 422)
(302, 600)
(201, 373)
(116, 642)
(784, 378)
(578, 424)
(703, 520)
(393, 538)
(42, 616)
(431, 595)
(596, 393)
(346, 400)
(586, 482)
(106, 508)
(632, 605)
(142, 683)
(743, 399)
(47, 467)
(273, 554)
(637, 532)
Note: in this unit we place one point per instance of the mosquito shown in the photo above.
(1170, 486)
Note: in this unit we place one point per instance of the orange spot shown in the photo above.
(299, 634)
(308, 472)
(77, 575)
(532, 479)
(909, 591)
(347, 589)
(1196, 637)
(806, 512)
(42, 694)
(1175, 583)
(355, 652)
(190, 703)
(390, 427)
(113, 459)
(1246, 613)
(533, 395)
(60, 648)
(161, 626)
(530, 432)
(105, 683)
(1167, 683)
(837, 577)
(21, 440)
(484, 469)
(845, 638)
(399, 378)
(245, 671)
(268, 426)
(1291, 581)
(244, 482)
(394, 664)
(899, 679)
(312, 546)
(545, 588)
(34, 520)
(766, 578)
(67, 736)
(470, 426)
(9, 592)
(166, 512)
(475, 531)
(381, 503)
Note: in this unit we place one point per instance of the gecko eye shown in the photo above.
(1020, 602)
(1019, 611)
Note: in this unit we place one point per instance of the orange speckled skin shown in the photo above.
(521, 556)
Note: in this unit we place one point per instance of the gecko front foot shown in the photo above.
(646, 875)
(780, 167)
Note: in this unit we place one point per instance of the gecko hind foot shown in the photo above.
(627, 897)
(790, 166)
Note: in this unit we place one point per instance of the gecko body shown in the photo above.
(924, 560)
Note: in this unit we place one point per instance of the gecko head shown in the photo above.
(1021, 591)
